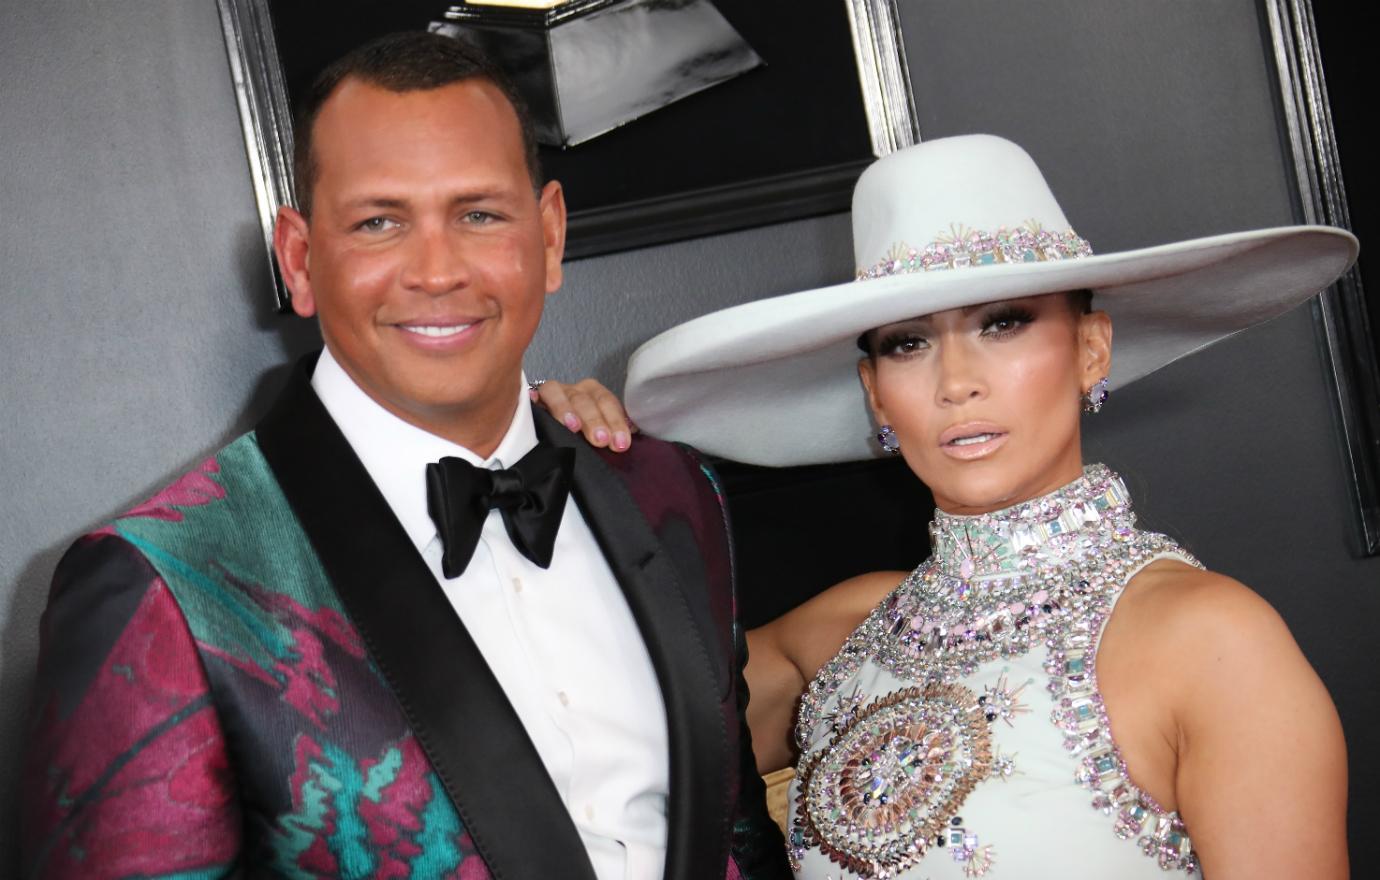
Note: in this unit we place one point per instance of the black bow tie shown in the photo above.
(530, 495)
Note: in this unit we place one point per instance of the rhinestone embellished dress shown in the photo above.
(959, 732)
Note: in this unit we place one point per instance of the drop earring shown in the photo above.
(1095, 396)
(887, 439)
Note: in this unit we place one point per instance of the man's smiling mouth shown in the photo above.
(436, 331)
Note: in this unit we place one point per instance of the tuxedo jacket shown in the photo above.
(255, 674)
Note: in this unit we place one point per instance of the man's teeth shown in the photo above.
(437, 331)
(969, 441)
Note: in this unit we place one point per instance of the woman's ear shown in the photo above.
(1094, 347)
(867, 372)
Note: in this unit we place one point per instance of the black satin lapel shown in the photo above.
(455, 706)
(683, 654)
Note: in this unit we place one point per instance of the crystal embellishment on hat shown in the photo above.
(963, 248)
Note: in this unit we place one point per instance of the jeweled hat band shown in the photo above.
(967, 248)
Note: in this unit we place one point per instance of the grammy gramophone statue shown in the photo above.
(588, 66)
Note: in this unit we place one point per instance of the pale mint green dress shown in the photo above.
(959, 732)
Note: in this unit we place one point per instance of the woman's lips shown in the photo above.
(971, 441)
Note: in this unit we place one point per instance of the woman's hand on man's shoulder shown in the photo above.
(589, 408)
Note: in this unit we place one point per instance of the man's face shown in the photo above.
(428, 255)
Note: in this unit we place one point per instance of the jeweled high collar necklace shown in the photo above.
(1041, 531)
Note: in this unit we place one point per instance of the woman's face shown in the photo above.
(985, 400)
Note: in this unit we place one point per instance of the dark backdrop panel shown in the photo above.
(766, 122)
(797, 530)
(1346, 46)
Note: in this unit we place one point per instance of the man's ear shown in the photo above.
(551, 203)
(867, 372)
(1095, 347)
(291, 245)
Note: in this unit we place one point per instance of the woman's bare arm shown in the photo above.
(784, 655)
(1254, 758)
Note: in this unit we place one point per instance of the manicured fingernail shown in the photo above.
(601, 436)
(572, 421)
(621, 440)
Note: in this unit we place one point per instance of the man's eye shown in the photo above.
(479, 217)
(377, 224)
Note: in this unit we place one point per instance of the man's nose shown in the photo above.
(436, 262)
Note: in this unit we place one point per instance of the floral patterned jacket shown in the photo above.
(252, 674)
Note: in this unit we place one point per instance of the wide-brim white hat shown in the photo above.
(945, 224)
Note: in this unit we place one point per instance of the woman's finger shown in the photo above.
(552, 395)
(595, 425)
(611, 408)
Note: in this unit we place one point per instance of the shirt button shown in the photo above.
(517, 585)
(589, 812)
(563, 697)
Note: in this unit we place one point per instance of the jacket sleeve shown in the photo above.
(126, 771)
(757, 849)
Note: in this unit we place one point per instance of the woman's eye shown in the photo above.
(1005, 324)
(903, 345)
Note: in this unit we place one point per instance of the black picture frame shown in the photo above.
(835, 90)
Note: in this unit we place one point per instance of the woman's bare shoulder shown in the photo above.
(814, 631)
(857, 596)
(1181, 603)
(1212, 636)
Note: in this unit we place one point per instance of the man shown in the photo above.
(407, 627)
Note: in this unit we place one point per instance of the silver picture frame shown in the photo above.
(884, 75)
(1344, 328)
(265, 117)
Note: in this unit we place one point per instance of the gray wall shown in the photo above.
(135, 334)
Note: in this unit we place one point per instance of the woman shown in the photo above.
(1054, 693)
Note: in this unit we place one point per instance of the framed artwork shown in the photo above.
(782, 141)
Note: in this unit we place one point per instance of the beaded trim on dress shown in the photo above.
(1044, 572)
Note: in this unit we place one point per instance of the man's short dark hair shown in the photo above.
(403, 62)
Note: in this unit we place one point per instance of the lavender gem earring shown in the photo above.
(887, 439)
(1095, 396)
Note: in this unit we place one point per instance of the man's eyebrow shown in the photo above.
(393, 202)
(482, 195)
(375, 202)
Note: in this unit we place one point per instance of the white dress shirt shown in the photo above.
(561, 641)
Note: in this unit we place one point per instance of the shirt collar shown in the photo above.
(396, 453)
